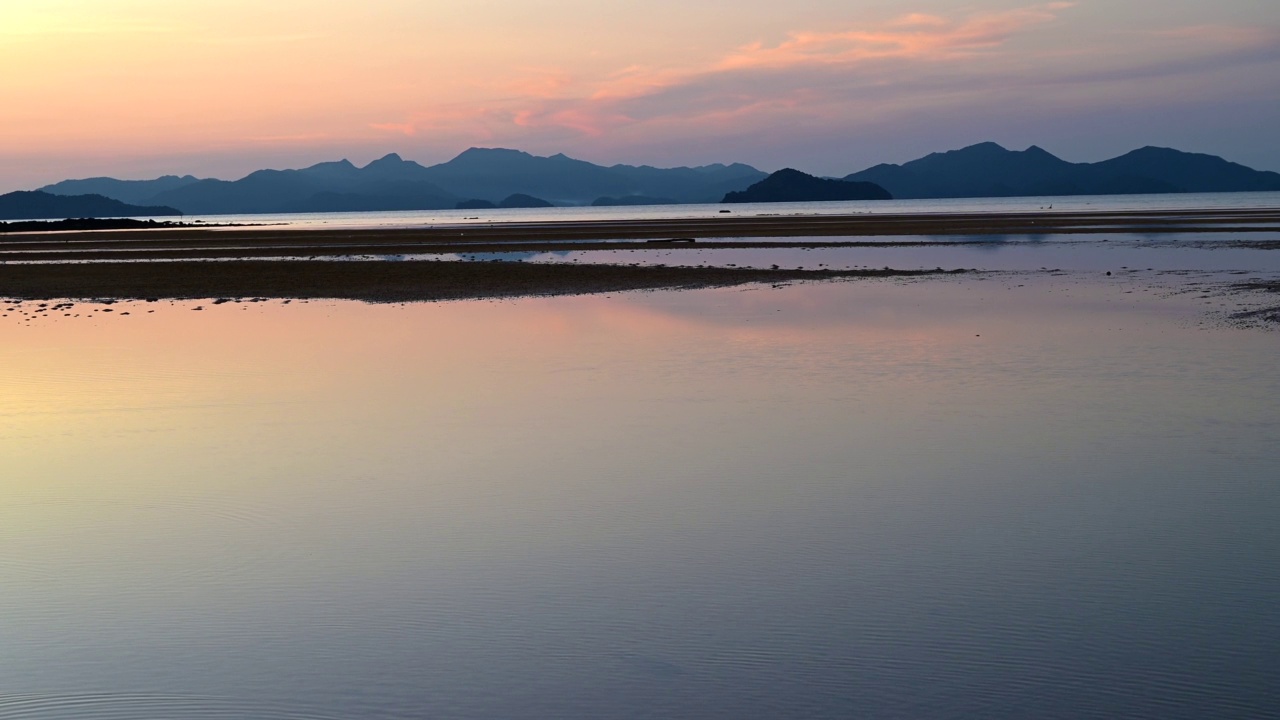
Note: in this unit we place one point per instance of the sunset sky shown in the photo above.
(139, 88)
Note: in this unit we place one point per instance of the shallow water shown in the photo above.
(1220, 254)
(1208, 252)
(880, 499)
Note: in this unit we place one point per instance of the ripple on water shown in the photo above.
(30, 558)
(117, 706)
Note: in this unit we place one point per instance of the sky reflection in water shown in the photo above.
(927, 499)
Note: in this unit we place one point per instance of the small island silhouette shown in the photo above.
(794, 186)
(38, 205)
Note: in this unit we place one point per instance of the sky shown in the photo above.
(218, 88)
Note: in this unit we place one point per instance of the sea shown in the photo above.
(1030, 492)
(1077, 203)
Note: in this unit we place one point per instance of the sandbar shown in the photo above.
(379, 281)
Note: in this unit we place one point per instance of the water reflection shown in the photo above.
(880, 498)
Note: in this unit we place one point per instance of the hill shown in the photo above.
(494, 174)
(1187, 172)
(989, 170)
(520, 200)
(794, 186)
(37, 205)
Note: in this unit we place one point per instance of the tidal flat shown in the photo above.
(1009, 492)
(503, 259)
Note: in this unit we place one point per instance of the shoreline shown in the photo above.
(855, 225)
(14, 227)
(198, 263)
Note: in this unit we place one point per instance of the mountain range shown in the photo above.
(493, 175)
(391, 183)
(988, 170)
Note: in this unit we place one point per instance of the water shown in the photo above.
(1080, 203)
(1174, 252)
(942, 498)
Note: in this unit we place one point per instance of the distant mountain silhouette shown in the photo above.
(128, 191)
(705, 184)
(794, 186)
(989, 170)
(494, 175)
(392, 183)
(38, 205)
(386, 184)
(477, 204)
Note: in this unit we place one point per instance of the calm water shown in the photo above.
(877, 499)
(1200, 252)
(1081, 203)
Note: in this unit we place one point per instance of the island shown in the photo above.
(789, 185)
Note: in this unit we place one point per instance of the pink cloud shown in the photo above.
(714, 94)
(919, 20)
(592, 119)
(549, 98)
(915, 62)
(912, 36)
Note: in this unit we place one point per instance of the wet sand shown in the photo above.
(454, 237)
(378, 281)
